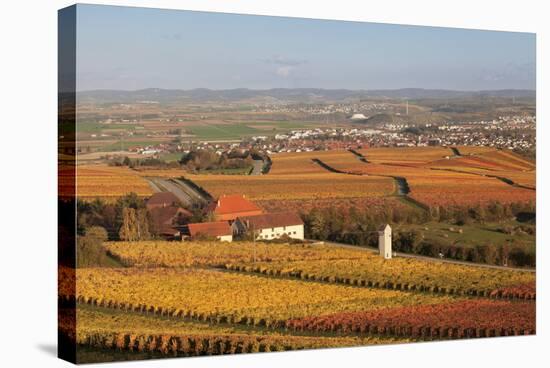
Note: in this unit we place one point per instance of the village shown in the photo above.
(515, 133)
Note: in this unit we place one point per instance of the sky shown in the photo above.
(129, 48)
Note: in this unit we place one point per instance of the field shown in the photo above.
(471, 318)
(195, 298)
(412, 156)
(109, 182)
(324, 262)
(436, 181)
(302, 190)
(165, 298)
(313, 186)
(158, 336)
(435, 177)
(181, 292)
(472, 234)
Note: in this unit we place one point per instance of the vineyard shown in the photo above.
(314, 186)
(327, 263)
(167, 298)
(109, 182)
(411, 156)
(469, 180)
(405, 274)
(170, 254)
(197, 298)
(464, 319)
(435, 176)
(247, 299)
(102, 328)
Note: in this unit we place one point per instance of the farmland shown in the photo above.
(161, 298)
(113, 335)
(185, 299)
(181, 291)
(320, 261)
(434, 179)
(304, 186)
(109, 182)
(462, 184)
(483, 318)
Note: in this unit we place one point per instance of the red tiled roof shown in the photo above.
(268, 220)
(234, 204)
(218, 228)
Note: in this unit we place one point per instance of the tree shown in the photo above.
(135, 225)
(97, 232)
(504, 253)
(128, 230)
(89, 248)
(142, 225)
(408, 241)
(317, 225)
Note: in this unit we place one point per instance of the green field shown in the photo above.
(171, 157)
(92, 127)
(471, 235)
(222, 131)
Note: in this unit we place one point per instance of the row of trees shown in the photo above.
(503, 254)
(204, 160)
(359, 227)
(129, 209)
(126, 219)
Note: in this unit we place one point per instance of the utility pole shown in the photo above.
(406, 107)
(254, 241)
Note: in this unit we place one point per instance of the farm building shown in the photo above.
(271, 225)
(229, 207)
(220, 230)
(167, 221)
(162, 199)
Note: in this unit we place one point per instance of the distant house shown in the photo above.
(229, 207)
(219, 229)
(162, 199)
(271, 225)
(167, 221)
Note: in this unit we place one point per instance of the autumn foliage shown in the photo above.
(463, 319)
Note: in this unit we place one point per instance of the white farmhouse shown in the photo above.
(270, 226)
(384, 241)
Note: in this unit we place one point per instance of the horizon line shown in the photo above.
(304, 88)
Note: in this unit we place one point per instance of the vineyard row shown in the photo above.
(424, 332)
(186, 345)
(513, 293)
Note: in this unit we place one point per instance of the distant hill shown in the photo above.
(306, 95)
